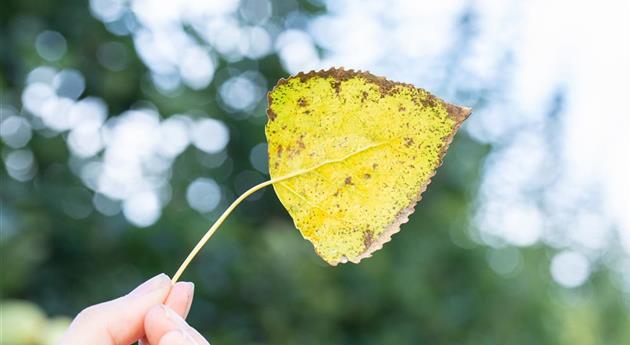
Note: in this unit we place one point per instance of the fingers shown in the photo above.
(120, 321)
(163, 326)
(180, 298)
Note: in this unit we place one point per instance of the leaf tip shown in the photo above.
(458, 113)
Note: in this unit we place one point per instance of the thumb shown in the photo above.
(120, 321)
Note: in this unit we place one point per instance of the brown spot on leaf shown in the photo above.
(366, 176)
(290, 151)
(279, 151)
(364, 96)
(337, 86)
(300, 144)
(302, 102)
(368, 238)
(348, 180)
(428, 100)
(401, 108)
(409, 142)
(374, 166)
(271, 114)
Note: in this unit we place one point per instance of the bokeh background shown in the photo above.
(127, 126)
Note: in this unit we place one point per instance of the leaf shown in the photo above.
(350, 154)
(359, 151)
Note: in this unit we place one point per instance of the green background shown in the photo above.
(257, 281)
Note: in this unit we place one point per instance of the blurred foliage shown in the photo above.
(25, 323)
(257, 281)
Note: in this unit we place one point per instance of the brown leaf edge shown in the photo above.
(341, 74)
(455, 112)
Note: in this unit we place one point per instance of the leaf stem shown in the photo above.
(224, 215)
(202, 242)
(215, 226)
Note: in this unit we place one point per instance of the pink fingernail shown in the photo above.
(152, 284)
(173, 316)
(181, 324)
(191, 293)
(191, 288)
(178, 336)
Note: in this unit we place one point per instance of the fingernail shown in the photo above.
(181, 324)
(177, 337)
(152, 284)
(190, 286)
(173, 316)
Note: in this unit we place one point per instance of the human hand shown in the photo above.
(153, 314)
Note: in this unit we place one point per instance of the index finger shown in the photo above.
(120, 321)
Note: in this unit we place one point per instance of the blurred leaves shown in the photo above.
(257, 281)
(24, 323)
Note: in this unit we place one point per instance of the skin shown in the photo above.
(153, 314)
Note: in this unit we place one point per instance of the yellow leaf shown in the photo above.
(360, 150)
(349, 156)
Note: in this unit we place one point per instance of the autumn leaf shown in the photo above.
(349, 157)
(369, 147)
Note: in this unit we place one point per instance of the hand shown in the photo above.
(153, 314)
